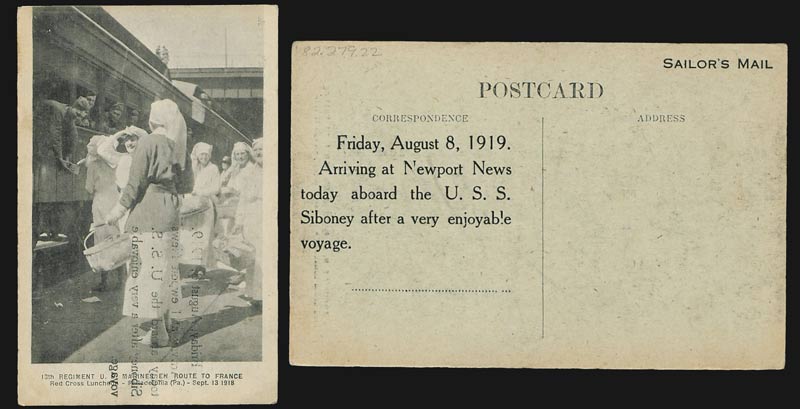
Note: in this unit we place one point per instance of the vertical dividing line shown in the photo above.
(542, 227)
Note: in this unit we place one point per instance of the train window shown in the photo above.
(147, 100)
(133, 111)
(113, 89)
(134, 116)
(91, 120)
(85, 92)
(49, 85)
(85, 73)
(257, 93)
(244, 93)
(133, 97)
(111, 121)
(108, 102)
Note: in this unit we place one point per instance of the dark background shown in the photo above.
(751, 22)
(520, 21)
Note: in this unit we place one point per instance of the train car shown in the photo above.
(79, 51)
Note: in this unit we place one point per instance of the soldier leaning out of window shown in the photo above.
(89, 120)
(55, 134)
(133, 117)
(54, 137)
(113, 120)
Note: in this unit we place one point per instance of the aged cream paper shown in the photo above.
(629, 209)
(228, 351)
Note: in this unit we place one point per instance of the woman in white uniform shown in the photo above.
(100, 184)
(198, 211)
(248, 221)
(206, 174)
(116, 151)
(232, 185)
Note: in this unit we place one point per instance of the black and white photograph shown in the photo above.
(429, 205)
(147, 166)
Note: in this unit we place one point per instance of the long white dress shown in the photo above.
(197, 230)
(121, 163)
(228, 200)
(206, 182)
(100, 184)
(248, 214)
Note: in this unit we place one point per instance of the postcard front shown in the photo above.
(147, 205)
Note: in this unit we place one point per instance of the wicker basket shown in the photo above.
(192, 205)
(109, 254)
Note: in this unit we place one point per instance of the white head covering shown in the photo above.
(257, 143)
(199, 147)
(93, 161)
(166, 119)
(134, 130)
(91, 148)
(242, 147)
(129, 131)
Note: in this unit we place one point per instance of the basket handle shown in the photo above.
(92, 230)
(91, 233)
